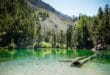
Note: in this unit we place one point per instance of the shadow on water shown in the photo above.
(102, 57)
(14, 54)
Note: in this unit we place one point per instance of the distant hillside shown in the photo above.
(41, 4)
(56, 20)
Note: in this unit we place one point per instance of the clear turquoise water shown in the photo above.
(50, 62)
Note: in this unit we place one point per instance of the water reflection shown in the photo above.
(103, 57)
(21, 53)
(47, 62)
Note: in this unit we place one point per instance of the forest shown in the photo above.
(20, 28)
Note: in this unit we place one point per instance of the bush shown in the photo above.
(63, 46)
(45, 45)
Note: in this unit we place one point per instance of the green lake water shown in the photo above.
(51, 62)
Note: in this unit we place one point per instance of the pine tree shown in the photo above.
(69, 36)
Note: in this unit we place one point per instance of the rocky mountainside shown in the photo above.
(56, 20)
(41, 4)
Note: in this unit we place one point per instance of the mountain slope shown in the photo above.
(56, 20)
(27, 23)
(41, 4)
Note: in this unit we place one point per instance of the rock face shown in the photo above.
(54, 23)
(56, 20)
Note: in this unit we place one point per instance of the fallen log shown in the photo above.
(76, 59)
(82, 61)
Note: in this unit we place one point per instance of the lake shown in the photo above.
(51, 62)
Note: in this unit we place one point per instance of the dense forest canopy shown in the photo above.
(16, 22)
(20, 27)
(94, 32)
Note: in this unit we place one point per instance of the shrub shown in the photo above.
(63, 46)
(45, 45)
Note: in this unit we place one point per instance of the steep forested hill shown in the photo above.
(23, 22)
(34, 24)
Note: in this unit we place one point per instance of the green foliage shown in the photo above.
(69, 36)
(101, 28)
(16, 20)
(62, 39)
(43, 15)
(93, 32)
(63, 46)
(83, 38)
(45, 45)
